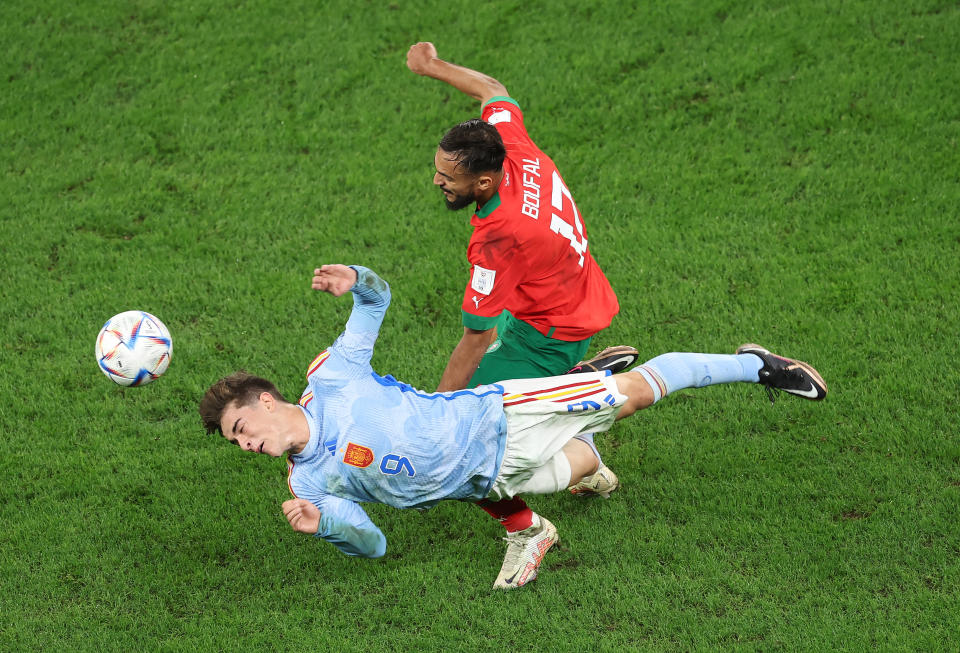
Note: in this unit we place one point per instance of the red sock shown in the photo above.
(512, 513)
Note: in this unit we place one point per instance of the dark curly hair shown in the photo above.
(477, 144)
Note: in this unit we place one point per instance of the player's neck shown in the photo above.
(298, 429)
(488, 194)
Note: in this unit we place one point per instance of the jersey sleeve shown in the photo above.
(497, 269)
(371, 298)
(505, 114)
(345, 525)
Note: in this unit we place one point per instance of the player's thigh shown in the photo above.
(520, 352)
(509, 363)
(553, 476)
(543, 415)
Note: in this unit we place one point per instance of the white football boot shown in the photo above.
(601, 483)
(525, 550)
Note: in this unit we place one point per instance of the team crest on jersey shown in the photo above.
(483, 280)
(499, 115)
(357, 455)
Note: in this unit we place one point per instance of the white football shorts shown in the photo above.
(544, 414)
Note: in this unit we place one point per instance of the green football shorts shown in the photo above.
(521, 352)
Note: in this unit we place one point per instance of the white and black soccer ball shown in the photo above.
(133, 348)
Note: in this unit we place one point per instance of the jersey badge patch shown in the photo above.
(499, 115)
(358, 455)
(483, 280)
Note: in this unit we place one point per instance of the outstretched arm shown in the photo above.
(371, 297)
(422, 59)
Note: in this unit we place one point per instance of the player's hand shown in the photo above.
(419, 57)
(304, 517)
(334, 279)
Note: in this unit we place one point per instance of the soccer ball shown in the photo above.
(133, 348)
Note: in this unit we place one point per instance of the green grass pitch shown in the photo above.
(780, 172)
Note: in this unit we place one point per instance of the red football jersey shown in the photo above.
(528, 250)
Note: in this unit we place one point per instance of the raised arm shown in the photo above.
(371, 297)
(422, 59)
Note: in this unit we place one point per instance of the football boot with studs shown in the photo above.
(614, 359)
(786, 374)
(525, 551)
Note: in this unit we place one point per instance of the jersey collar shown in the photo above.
(492, 204)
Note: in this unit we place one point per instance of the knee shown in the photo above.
(635, 388)
(583, 462)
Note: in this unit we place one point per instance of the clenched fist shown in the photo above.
(304, 517)
(419, 57)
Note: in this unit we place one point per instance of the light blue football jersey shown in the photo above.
(373, 438)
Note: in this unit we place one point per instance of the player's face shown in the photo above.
(458, 186)
(256, 427)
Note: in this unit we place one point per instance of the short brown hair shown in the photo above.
(241, 388)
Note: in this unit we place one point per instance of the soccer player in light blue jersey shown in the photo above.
(356, 436)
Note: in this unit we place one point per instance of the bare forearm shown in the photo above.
(464, 360)
(475, 84)
(422, 60)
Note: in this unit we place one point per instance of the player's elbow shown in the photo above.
(379, 551)
(372, 545)
(371, 549)
(493, 89)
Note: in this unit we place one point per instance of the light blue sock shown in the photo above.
(671, 372)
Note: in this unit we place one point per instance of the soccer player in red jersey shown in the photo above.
(535, 296)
